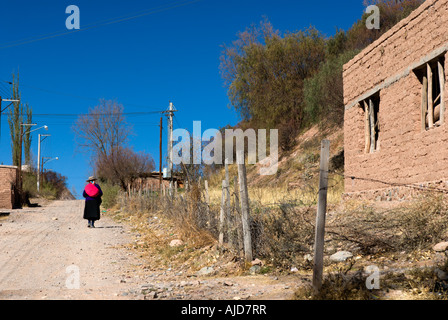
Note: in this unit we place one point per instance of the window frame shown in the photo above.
(432, 76)
(371, 108)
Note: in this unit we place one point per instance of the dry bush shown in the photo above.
(425, 222)
(410, 226)
(283, 233)
(341, 285)
(186, 211)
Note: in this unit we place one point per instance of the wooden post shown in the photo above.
(442, 92)
(175, 189)
(430, 98)
(227, 190)
(424, 101)
(245, 214)
(320, 217)
(160, 153)
(372, 125)
(207, 201)
(221, 214)
(238, 226)
(151, 197)
(367, 127)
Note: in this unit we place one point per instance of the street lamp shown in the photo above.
(38, 158)
(46, 160)
(20, 151)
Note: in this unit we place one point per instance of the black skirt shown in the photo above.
(92, 210)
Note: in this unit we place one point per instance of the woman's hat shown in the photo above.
(91, 178)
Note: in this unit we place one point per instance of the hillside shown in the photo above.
(297, 169)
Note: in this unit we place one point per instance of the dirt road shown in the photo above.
(44, 249)
(49, 253)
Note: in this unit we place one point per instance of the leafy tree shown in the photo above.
(27, 136)
(324, 92)
(15, 119)
(391, 12)
(264, 73)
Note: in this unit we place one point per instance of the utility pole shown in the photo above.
(160, 153)
(170, 114)
(1, 110)
(170, 141)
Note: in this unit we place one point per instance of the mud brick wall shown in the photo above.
(406, 155)
(7, 179)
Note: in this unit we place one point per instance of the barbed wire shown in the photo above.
(420, 187)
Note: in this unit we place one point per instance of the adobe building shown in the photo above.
(8, 181)
(395, 130)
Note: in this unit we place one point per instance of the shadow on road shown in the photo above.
(109, 227)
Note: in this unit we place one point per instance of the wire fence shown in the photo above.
(283, 231)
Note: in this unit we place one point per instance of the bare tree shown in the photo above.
(103, 129)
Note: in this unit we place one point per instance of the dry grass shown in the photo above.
(341, 285)
(413, 225)
(306, 195)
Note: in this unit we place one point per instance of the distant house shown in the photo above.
(151, 181)
(395, 129)
(8, 182)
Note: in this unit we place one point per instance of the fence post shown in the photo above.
(245, 214)
(207, 200)
(238, 217)
(320, 217)
(228, 216)
(175, 189)
(151, 197)
(222, 215)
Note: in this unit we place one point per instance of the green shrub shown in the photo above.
(110, 194)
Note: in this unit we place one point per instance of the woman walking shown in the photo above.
(92, 193)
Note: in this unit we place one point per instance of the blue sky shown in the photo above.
(143, 63)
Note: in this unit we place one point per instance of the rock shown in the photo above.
(341, 256)
(441, 275)
(308, 257)
(54, 218)
(440, 247)
(151, 295)
(255, 269)
(205, 271)
(176, 243)
(257, 262)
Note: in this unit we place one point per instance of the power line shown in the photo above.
(69, 115)
(4, 89)
(75, 96)
(140, 14)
